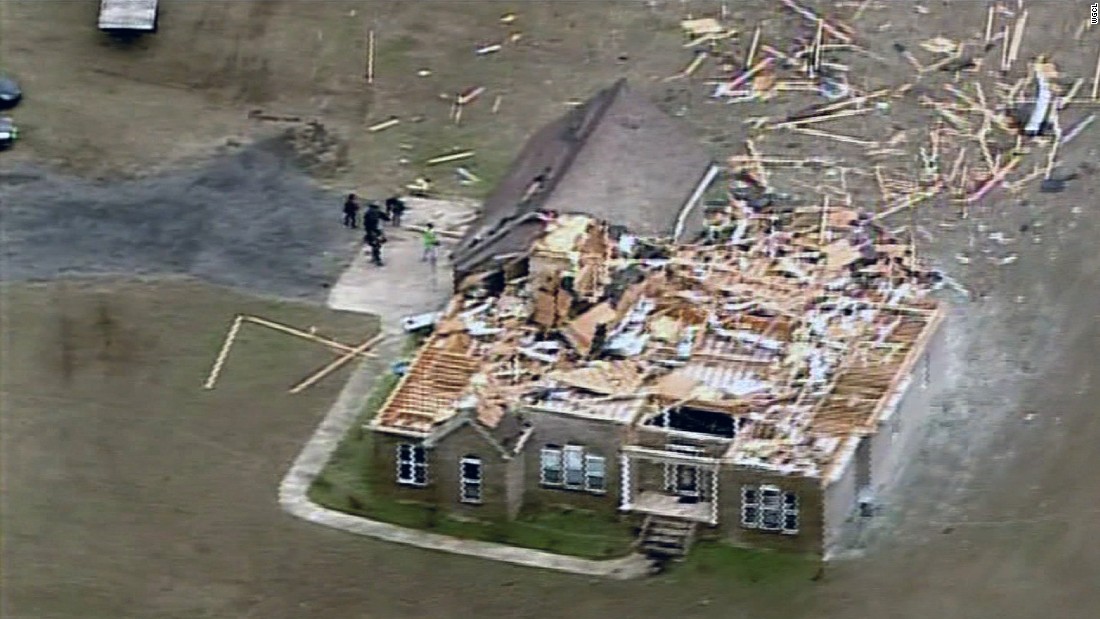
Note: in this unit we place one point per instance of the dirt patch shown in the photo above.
(318, 150)
(250, 219)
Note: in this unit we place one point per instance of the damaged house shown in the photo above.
(616, 157)
(755, 385)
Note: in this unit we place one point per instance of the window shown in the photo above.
(595, 474)
(571, 468)
(550, 471)
(750, 507)
(768, 508)
(573, 461)
(790, 513)
(470, 479)
(412, 465)
(771, 508)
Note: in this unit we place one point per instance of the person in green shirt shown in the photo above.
(430, 240)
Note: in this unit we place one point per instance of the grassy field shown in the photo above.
(215, 61)
(347, 485)
(117, 463)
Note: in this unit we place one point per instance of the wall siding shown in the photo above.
(840, 497)
(898, 430)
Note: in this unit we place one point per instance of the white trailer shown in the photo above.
(128, 16)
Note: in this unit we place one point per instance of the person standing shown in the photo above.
(374, 239)
(372, 218)
(430, 240)
(351, 211)
(395, 208)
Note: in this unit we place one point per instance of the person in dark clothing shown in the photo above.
(351, 211)
(374, 239)
(372, 218)
(395, 208)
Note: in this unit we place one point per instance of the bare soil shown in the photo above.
(130, 493)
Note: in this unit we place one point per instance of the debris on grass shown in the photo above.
(488, 49)
(385, 124)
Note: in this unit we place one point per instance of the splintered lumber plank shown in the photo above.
(1017, 37)
(302, 334)
(992, 182)
(809, 15)
(835, 136)
(988, 25)
(466, 154)
(1096, 78)
(370, 57)
(385, 124)
(223, 354)
(334, 365)
(821, 118)
(752, 47)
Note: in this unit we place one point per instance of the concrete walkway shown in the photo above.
(392, 292)
(404, 285)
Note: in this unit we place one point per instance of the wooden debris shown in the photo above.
(1068, 97)
(496, 103)
(760, 66)
(370, 57)
(223, 354)
(815, 56)
(385, 124)
(270, 324)
(470, 95)
(1078, 128)
(833, 30)
(760, 173)
(752, 47)
(988, 25)
(339, 362)
(693, 65)
(821, 118)
(833, 136)
(700, 27)
(992, 182)
(1096, 79)
(466, 154)
(1017, 37)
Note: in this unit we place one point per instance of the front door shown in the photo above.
(684, 480)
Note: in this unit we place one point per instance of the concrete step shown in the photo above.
(665, 551)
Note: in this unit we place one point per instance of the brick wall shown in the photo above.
(598, 437)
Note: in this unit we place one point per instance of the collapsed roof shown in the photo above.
(616, 157)
(797, 323)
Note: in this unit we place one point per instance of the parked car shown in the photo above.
(10, 92)
(8, 133)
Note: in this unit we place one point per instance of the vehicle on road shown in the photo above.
(10, 92)
(128, 17)
(8, 133)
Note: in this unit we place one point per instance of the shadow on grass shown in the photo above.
(347, 484)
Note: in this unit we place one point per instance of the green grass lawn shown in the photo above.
(346, 485)
(769, 569)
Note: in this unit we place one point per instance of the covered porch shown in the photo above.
(685, 488)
